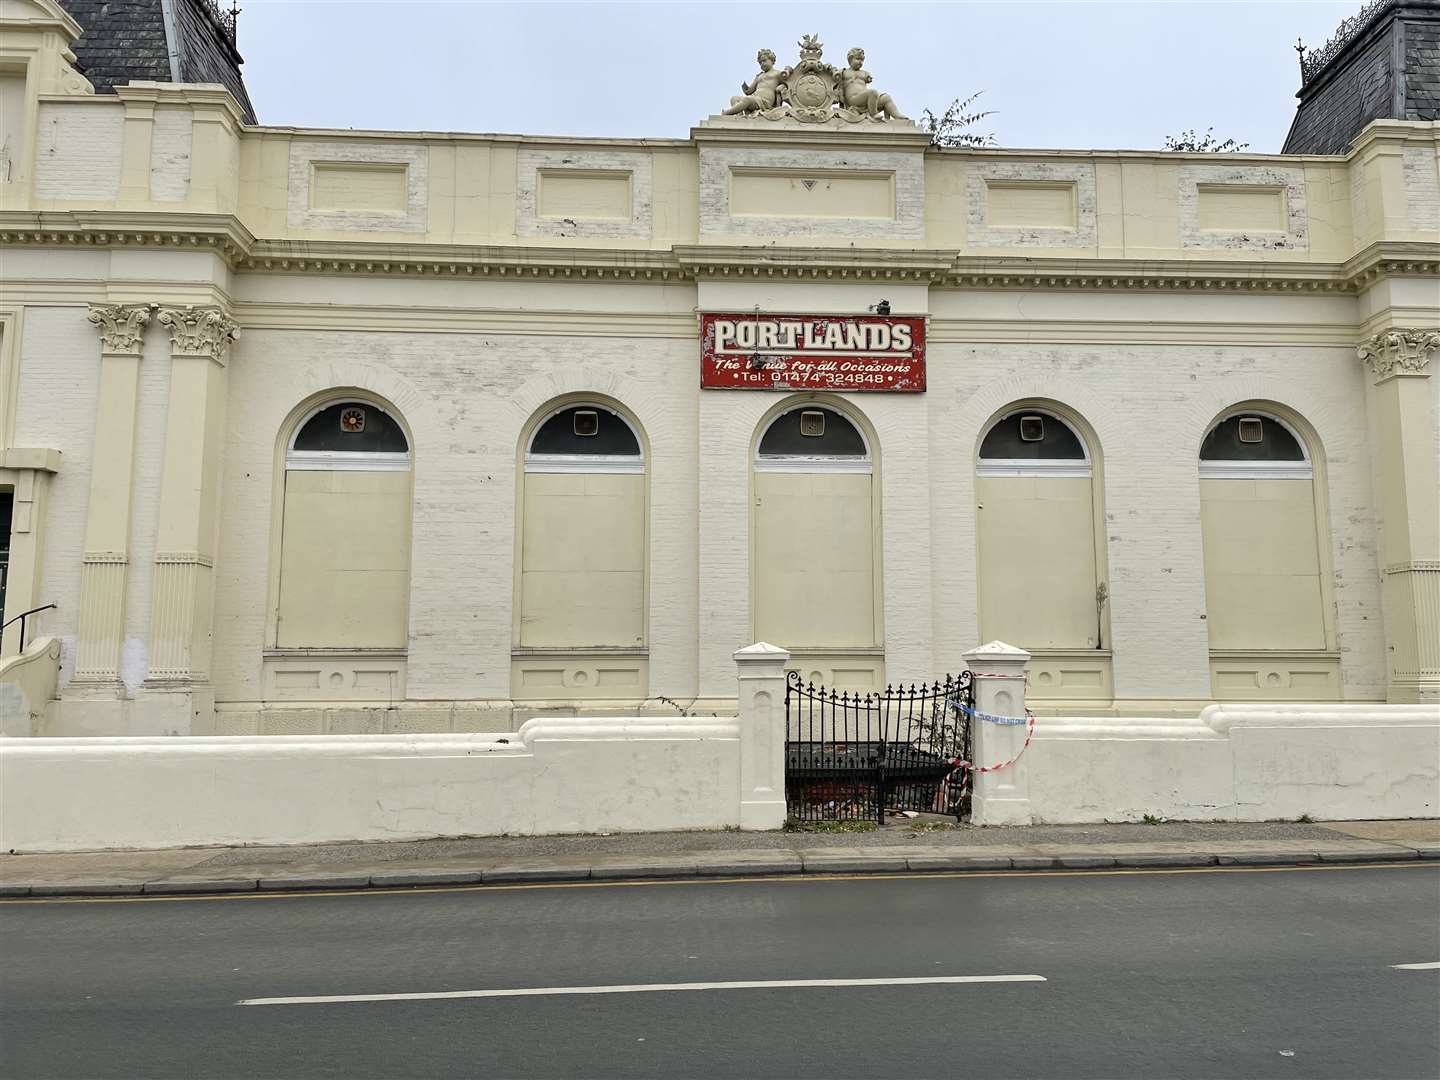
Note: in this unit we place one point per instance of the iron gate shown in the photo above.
(850, 757)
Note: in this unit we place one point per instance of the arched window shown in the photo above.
(345, 531)
(814, 564)
(581, 578)
(1263, 580)
(1039, 575)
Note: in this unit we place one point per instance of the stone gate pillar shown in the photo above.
(760, 669)
(1001, 797)
(1404, 442)
(181, 624)
(100, 628)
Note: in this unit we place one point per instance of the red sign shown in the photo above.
(812, 352)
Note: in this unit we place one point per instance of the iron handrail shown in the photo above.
(21, 620)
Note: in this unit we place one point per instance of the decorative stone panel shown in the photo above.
(606, 171)
(407, 214)
(1290, 230)
(984, 232)
(719, 166)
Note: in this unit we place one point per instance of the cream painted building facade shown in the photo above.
(342, 432)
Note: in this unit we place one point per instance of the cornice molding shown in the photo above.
(1398, 352)
(121, 326)
(199, 331)
(946, 268)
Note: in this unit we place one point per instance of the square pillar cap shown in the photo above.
(996, 652)
(761, 651)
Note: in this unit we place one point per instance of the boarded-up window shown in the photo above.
(345, 532)
(1036, 535)
(582, 557)
(814, 533)
(1262, 562)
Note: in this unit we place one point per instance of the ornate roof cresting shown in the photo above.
(1313, 61)
(813, 91)
(1399, 352)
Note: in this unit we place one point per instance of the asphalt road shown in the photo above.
(1253, 974)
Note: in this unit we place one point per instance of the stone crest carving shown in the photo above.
(1399, 352)
(813, 91)
(122, 326)
(199, 331)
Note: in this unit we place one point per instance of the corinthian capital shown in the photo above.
(1399, 352)
(122, 326)
(199, 331)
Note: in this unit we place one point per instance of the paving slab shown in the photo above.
(1410, 831)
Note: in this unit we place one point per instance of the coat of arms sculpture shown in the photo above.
(813, 91)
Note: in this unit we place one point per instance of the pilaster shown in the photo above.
(181, 623)
(1404, 443)
(101, 622)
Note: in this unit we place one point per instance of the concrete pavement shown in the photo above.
(902, 846)
(1239, 973)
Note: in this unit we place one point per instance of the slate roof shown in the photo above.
(126, 40)
(1384, 63)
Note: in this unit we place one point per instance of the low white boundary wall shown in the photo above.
(555, 775)
(552, 777)
(577, 775)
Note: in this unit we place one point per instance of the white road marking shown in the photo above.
(638, 988)
(1417, 967)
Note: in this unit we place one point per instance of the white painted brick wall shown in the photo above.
(77, 151)
(1422, 189)
(170, 154)
(466, 398)
(59, 381)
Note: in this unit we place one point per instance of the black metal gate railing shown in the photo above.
(850, 757)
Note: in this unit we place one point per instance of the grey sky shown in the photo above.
(1112, 75)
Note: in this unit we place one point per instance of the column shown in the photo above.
(101, 623)
(188, 518)
(760, 669)
(1409, 498)
(1001, 797)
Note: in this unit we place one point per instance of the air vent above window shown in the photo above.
(1032, 428)
(812, 423)
(587, 422)
(1252, 430)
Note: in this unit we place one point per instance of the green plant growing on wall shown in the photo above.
(1203, 144)
(949, 127)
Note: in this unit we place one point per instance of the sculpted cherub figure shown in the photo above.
(762, 92)
(855, 92)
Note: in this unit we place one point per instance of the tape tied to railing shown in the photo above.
(970, 766)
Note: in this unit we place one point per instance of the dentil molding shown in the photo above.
(199, 331)
(1399, 352)
(121, 326)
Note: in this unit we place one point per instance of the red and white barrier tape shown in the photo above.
(971, 768)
